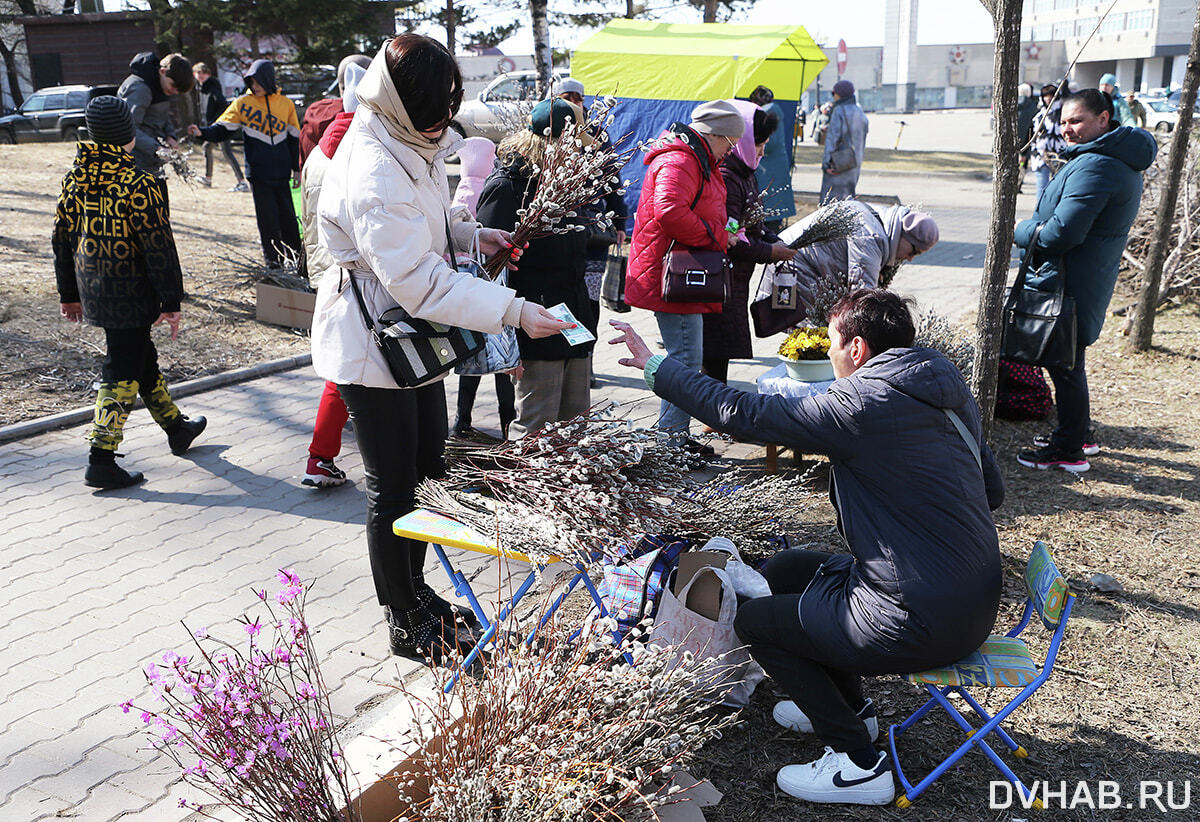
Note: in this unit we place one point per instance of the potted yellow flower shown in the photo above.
(805, 352)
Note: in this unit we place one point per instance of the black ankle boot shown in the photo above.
(181, 436)
(443, 609)
(421, 635)
(104, 473)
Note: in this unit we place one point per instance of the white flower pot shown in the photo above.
(809, 370)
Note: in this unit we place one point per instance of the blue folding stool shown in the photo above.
(1001, 662)
(442, 532)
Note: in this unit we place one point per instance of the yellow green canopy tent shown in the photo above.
(702, 61)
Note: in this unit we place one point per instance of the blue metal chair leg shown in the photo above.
(462, 587)
(490, 633)
(986, 717)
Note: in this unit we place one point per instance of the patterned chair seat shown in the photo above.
(1001, 662)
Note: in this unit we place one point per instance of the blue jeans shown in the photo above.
(683, 336)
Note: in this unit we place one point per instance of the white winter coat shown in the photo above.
(381, 216)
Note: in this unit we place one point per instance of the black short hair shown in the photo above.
(423, 70)
(883, 318)
(765, 123)
(1097, 102)
(761, 96)
(179, 69)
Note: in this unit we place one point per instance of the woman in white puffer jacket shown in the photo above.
(382, 217)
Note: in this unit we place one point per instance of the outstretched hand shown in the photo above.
(637, 346)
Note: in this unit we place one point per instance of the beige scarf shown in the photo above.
(377, 92)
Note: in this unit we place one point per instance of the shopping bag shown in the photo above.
(612, 287)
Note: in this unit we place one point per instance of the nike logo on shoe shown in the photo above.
(838, 782)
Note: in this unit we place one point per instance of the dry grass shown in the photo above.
(48, 365)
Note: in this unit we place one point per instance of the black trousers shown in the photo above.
(771, 626)
(718, 369)
(1073, 403)
(276, 217)
(468, 387)
(130, 355)
(401, 437)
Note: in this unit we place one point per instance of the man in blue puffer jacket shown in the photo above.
(913, 483)
(1085, 214)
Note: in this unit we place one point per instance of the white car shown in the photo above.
(501, 108)
(1161, 115)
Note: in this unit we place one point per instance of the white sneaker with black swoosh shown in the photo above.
(834, 778)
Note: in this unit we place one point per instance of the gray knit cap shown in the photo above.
(718, 118)
(109, 121)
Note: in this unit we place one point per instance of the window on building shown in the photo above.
(1139, 20)
(1042, 31)
(1113, 23)
(1064, 29)
(1084, 26)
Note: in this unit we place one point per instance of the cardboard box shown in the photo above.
(705, 596)
(284, 306)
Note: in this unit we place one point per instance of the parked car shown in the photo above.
(501, 107)
(1161, 115)
(50, 114)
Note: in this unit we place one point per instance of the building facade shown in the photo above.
(1143, 42)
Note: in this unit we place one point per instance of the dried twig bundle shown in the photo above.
(253, 727)
(571, 178)
(935, 331)
(558, 731)
(835, 221)
(575, 489)
(177, 161)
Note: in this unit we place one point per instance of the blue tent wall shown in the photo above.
(647, 119)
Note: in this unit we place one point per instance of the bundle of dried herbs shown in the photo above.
(574, 489)
(177, 161)
(572, 178)
(935, 331)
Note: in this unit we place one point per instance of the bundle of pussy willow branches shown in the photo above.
(575, 489)
(178, 162)
(835, 221)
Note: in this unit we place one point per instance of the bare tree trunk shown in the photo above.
(1148, 298)
(629, 9)
(542, 56)
(1006, 15)
(14, 79)
(450, 25)
(710, 11)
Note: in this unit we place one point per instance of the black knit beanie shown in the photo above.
(109, 121)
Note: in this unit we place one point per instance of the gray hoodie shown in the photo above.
(151, 110)
(921, 585)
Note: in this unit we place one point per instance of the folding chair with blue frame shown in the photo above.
(1001, 662)
(442, 532)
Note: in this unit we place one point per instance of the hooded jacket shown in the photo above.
(381, 216)
(1087, 210)
(774, 173)
(477, 159)
(847, 129)
(859, 259)
(551, 269)
(269, 127)
(212, 100)
(113, 247)
(676, 170)
(150, 108)
(921, 584)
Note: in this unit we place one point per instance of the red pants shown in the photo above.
(331, 418)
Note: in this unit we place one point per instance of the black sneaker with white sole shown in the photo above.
(1091, 445)
(1052, 457)
(834, 778)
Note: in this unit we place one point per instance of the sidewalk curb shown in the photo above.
(63, 419)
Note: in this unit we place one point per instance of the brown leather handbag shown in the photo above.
(692, 276)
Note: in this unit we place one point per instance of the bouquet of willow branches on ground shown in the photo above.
(835, 221)
(178, 163)
(572, 176)
(935, 331)
(253, 727)
(560, 731)
(575, 489)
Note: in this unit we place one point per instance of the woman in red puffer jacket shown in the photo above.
(683, 199)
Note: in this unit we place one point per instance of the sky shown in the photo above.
(858, 22)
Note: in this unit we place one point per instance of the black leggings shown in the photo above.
(717, 369)
(468, 387)
(276, 217)
(771, 626)
(401, 437)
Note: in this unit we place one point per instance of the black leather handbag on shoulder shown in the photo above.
(1039, 326)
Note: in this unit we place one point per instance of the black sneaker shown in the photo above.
(108, 475)
(698, 448)
(1051, 457)
(180, 437)
(1091, 445)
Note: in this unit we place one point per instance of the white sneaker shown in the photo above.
(834, 778)
(242, 185)
(789, 716)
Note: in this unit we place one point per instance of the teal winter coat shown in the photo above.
(1086, 212)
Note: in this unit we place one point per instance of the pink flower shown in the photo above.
(126, 705)
(253, 629)
(306, 691)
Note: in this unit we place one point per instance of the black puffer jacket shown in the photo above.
(113, 247)
(212, 100)
(921, 585)
(550, 271)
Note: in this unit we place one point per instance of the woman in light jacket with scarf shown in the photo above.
(382, 216)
